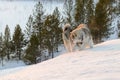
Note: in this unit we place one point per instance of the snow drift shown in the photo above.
(99, 63)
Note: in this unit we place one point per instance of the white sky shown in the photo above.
(17, 12)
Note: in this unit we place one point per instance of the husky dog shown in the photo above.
(79, 37)
(66, 37)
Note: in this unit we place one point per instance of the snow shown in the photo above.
(99, 63)
(10, 70)
(11, 64)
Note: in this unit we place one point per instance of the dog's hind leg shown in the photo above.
(70, 46)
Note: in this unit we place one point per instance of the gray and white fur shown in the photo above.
(81, 37)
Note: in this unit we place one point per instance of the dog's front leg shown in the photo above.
(70, 46)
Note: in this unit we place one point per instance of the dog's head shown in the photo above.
(67, 27)
(76, 38)
(66, 30)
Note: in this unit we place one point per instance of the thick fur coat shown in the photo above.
(78, 38)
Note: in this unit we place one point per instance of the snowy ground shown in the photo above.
(15, 65)
(100, 63)
(11, 64)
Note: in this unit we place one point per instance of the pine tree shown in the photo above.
(2, 49)
(89, 11)
(57, 29)
(38, 25)
(90, 17)
(118, 29)
(80, 11)
(35, 27)
(29, 27)
(102, 20)
(7, 39)
(38, 18)
(18, 38)
(52, 32)
(49, 34)
(32, 50)
(117, 12)
(68, 11)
